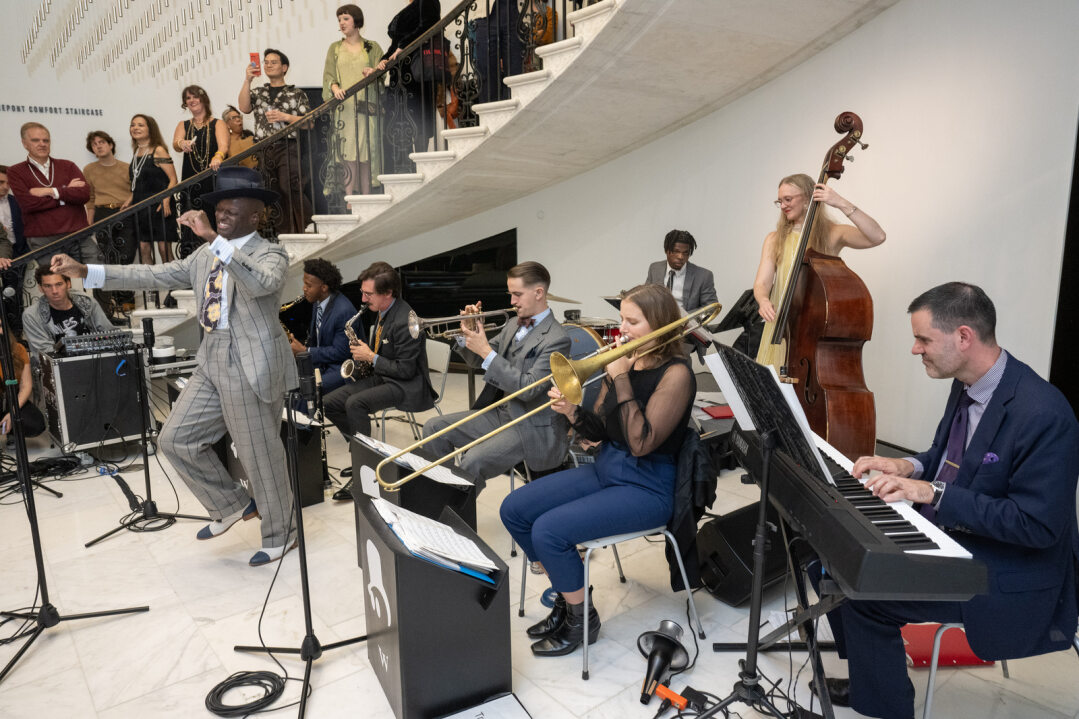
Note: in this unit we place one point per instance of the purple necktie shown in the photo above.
(957, 441)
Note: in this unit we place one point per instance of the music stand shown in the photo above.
(757, 400)
(45, 616)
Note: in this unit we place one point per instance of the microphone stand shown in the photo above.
(45, 616)
(310, 649)
(148, 509)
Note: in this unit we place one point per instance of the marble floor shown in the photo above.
(204, 599)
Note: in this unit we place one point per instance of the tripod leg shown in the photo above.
(22, 650)
(106, 613)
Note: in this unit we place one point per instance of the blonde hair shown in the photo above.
(821, 228)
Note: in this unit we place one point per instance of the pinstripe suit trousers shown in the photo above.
(218, 398)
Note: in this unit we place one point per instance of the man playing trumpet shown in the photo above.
(399, 376)
(518, 356)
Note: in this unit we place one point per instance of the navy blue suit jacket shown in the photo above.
(1012, 505)
(20, 246)
(332, 347)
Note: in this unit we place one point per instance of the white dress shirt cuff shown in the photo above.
(55, 194)
(919, 470)
(222, 249)
(489, 359)
(95, 277)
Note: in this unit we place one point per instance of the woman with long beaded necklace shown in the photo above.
(204, 142)
(151, 171)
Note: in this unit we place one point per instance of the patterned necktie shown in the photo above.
(211, 300)
(957, 441)
(670, 280)
(526, 321)
(318, 321)
(378, 336)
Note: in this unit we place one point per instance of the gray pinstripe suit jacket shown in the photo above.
(256, 275)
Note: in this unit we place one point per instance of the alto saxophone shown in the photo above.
(352, 369)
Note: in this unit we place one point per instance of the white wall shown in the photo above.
(970, 114)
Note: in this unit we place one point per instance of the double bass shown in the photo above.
(824, 318)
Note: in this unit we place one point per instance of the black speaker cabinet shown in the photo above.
(725, 551)
(92, 400)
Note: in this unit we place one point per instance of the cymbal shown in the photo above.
(556, 298)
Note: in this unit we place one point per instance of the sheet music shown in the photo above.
(426, 537)
(440, 474)
(730, 392)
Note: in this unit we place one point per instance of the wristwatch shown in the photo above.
(938, 492)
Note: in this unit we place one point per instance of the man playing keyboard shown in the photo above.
(1000, 478)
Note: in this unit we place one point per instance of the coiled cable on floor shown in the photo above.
(272, 685)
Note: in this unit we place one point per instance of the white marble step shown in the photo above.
(401, 186)
(494, 115)
(463, 140)
(164, 320)
(527, 86)
(301, 245)
(430, 164)
(366, 207)
(590, 20)
(559, 55)
(335, 226)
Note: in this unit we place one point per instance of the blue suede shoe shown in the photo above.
(220, 526)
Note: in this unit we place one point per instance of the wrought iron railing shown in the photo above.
(433, 84)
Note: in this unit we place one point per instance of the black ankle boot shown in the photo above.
(570, 633)
(552, 622)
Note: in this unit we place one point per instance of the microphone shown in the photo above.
(665, 654)
(148, 332)
(306, 371)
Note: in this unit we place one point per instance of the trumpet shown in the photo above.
(417, 324)
(569, 376)
(350, 368)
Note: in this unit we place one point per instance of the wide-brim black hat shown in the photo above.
(240, 182)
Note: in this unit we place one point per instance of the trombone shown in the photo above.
(417, 324)
(569, 376)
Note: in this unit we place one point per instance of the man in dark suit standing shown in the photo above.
(691, 285)
(244, 367)
(330, 311)
(518, 356)
(395, 363)
(1003, 467)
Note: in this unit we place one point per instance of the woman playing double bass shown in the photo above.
(781, 245)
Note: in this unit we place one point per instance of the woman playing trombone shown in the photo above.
(640, 416)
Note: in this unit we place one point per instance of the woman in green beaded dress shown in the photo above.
(359, 145)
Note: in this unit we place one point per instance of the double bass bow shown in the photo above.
(824, 318)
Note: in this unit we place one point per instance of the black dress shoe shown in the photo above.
(552, 622)
(346, 472)
(838, 691)
(345, 493)
(569, 634)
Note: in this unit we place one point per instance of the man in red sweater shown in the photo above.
(52, 194)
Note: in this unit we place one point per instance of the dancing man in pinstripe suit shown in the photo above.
(245, 364)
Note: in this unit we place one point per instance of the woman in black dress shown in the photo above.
(151, 171)
(407, 92)
(204, 142)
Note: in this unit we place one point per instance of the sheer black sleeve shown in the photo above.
(648, 422)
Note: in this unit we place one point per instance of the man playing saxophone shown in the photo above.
(398, 376)
(332, 317)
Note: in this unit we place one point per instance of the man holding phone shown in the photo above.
(276, 105)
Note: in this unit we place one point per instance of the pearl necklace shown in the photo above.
(136, 166)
